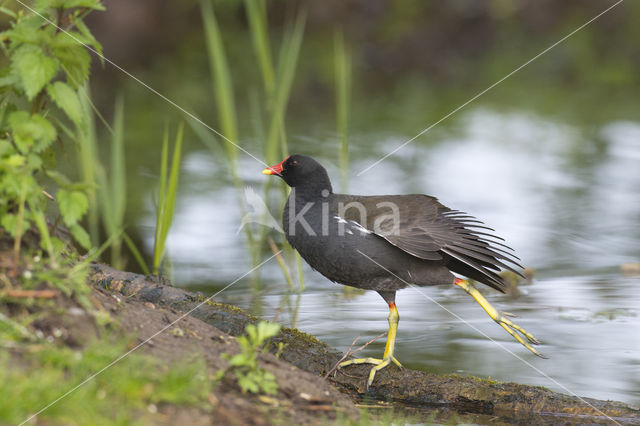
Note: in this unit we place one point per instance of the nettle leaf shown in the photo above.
(67, 99)
(31, 132)
(34, 68)
(9, 186)
(45, 131)
(18, 118)
(10, 223)
(6, 108)
(12, 184)
(91, 40)
(8, 79)
(34, 162)
(15, 160)
(73, 205)
(81, 236)
(75, 61)
(68, 4)
(19, 124)
(27, 30)
(42, 5)
(6, 148)
(90, 4)
(70, 39)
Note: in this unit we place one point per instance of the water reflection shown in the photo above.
(565, 198)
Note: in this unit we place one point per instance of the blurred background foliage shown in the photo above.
(412, 63)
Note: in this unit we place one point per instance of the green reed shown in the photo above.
(166, 195)
(268, 107)
(87, 158)
(113, 189)
(342, 64)
(277, 91)
(107, 192)
(222, 86)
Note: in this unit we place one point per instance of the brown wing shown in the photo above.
(431, 231)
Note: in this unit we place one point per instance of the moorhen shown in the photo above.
(388, 242)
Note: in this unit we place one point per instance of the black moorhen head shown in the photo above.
(298, 170)
(388, 242)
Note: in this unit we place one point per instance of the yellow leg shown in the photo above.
(387, 357)
(505, 323)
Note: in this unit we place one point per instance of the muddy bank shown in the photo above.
(409, 388)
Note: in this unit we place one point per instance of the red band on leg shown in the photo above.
(458, 281)
(392, 305)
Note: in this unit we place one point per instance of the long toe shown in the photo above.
(374, 361)
(384, 363)
(501, 318)
(374, 370)
(513, 329)
(396, 362)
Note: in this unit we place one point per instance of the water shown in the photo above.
(567, 200)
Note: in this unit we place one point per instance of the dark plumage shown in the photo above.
(387, 242)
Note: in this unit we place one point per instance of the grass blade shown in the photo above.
(158, 244)
(257, 17)
(118, 163)
(342, 60)
(223, 85)
(136, 253)
(287, 63)
(281, 263)
(300, 271)
(117, 189)
(172, 189)
(166, 196)
(88, 163)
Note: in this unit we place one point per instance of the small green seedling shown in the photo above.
(250, 376)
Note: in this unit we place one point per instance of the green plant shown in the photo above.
(277, 88)
(226, 108)
(166, 196)
(131, 385)
(342, 62)
(244, 366)
(38, 101)
(277, 83)
(111, 189)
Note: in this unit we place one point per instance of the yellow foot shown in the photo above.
(511, 327)
(378, 364)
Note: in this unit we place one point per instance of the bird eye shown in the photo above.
(294, 163)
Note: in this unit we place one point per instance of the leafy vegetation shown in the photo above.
(46, 115)
(39, 100)
(135, 387)
(244, 366)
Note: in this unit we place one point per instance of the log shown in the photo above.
(464, 394)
